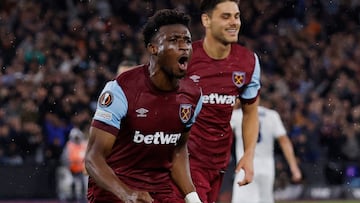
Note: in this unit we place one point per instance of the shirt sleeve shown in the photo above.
(253, 87)
(112, 105)
(278, 125)
(196, 113)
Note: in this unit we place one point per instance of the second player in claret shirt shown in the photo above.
(225, 71)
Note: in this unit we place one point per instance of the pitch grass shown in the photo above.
(321, 201)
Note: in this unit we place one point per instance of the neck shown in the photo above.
(215, 49)
(160, 79)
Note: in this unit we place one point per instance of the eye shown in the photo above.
(173, 39)
(225, 16)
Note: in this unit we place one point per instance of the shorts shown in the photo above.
(207, 183)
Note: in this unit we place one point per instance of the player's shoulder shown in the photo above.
(198, 51)
(197, 44)
(240, 50)
(189, 86)
(134, 70)
(128, 76)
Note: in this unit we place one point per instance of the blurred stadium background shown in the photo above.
(56, 55)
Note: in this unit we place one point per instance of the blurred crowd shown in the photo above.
(55, 57)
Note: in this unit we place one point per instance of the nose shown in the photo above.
(184, 45)
(235, 21)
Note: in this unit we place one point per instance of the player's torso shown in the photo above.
(154, 120)
(265, 145)
(152, 127)
(266, 138)
(221, 81)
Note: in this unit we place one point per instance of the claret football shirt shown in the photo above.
(221, 81)
(147, 124)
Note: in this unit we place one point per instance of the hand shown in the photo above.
(296, 175)
(246, 167)
(137, 197)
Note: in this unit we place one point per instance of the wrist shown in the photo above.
(192, 197)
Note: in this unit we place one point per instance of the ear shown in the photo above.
(152, 49)
(205, 20)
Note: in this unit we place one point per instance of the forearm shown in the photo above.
(104, 176)
(250, 128)
(288, 152)
(180, 171)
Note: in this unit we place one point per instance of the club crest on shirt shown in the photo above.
(185, 112)
(106, 99)
(238, 78)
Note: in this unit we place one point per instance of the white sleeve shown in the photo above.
(253, 87)
(279, 128)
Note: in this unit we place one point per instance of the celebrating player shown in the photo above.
(225, 71)
(140, 128)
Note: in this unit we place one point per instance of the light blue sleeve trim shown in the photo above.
(196, 112)
(113, 113)
(253, 87)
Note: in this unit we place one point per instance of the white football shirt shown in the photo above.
(271, 128)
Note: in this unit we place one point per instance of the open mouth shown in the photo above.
(232, 31)
(183, 60)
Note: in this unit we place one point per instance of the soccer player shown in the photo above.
(140, 128)
(225, 71)
(271, 129)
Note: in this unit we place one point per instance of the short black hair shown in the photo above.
(161, 18)
(207, 6)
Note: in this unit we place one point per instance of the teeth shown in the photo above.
(183, 66)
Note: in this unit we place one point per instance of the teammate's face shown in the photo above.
(224, 22)
(173, 43)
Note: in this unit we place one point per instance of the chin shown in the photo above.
(180, 76)
(233, 39)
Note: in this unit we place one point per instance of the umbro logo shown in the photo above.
(195, 78)
(142, 112)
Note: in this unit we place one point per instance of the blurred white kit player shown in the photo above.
(271, 128)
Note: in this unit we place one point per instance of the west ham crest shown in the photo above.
(238, 78)
(185, 112)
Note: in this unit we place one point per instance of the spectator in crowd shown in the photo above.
(73, 157)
